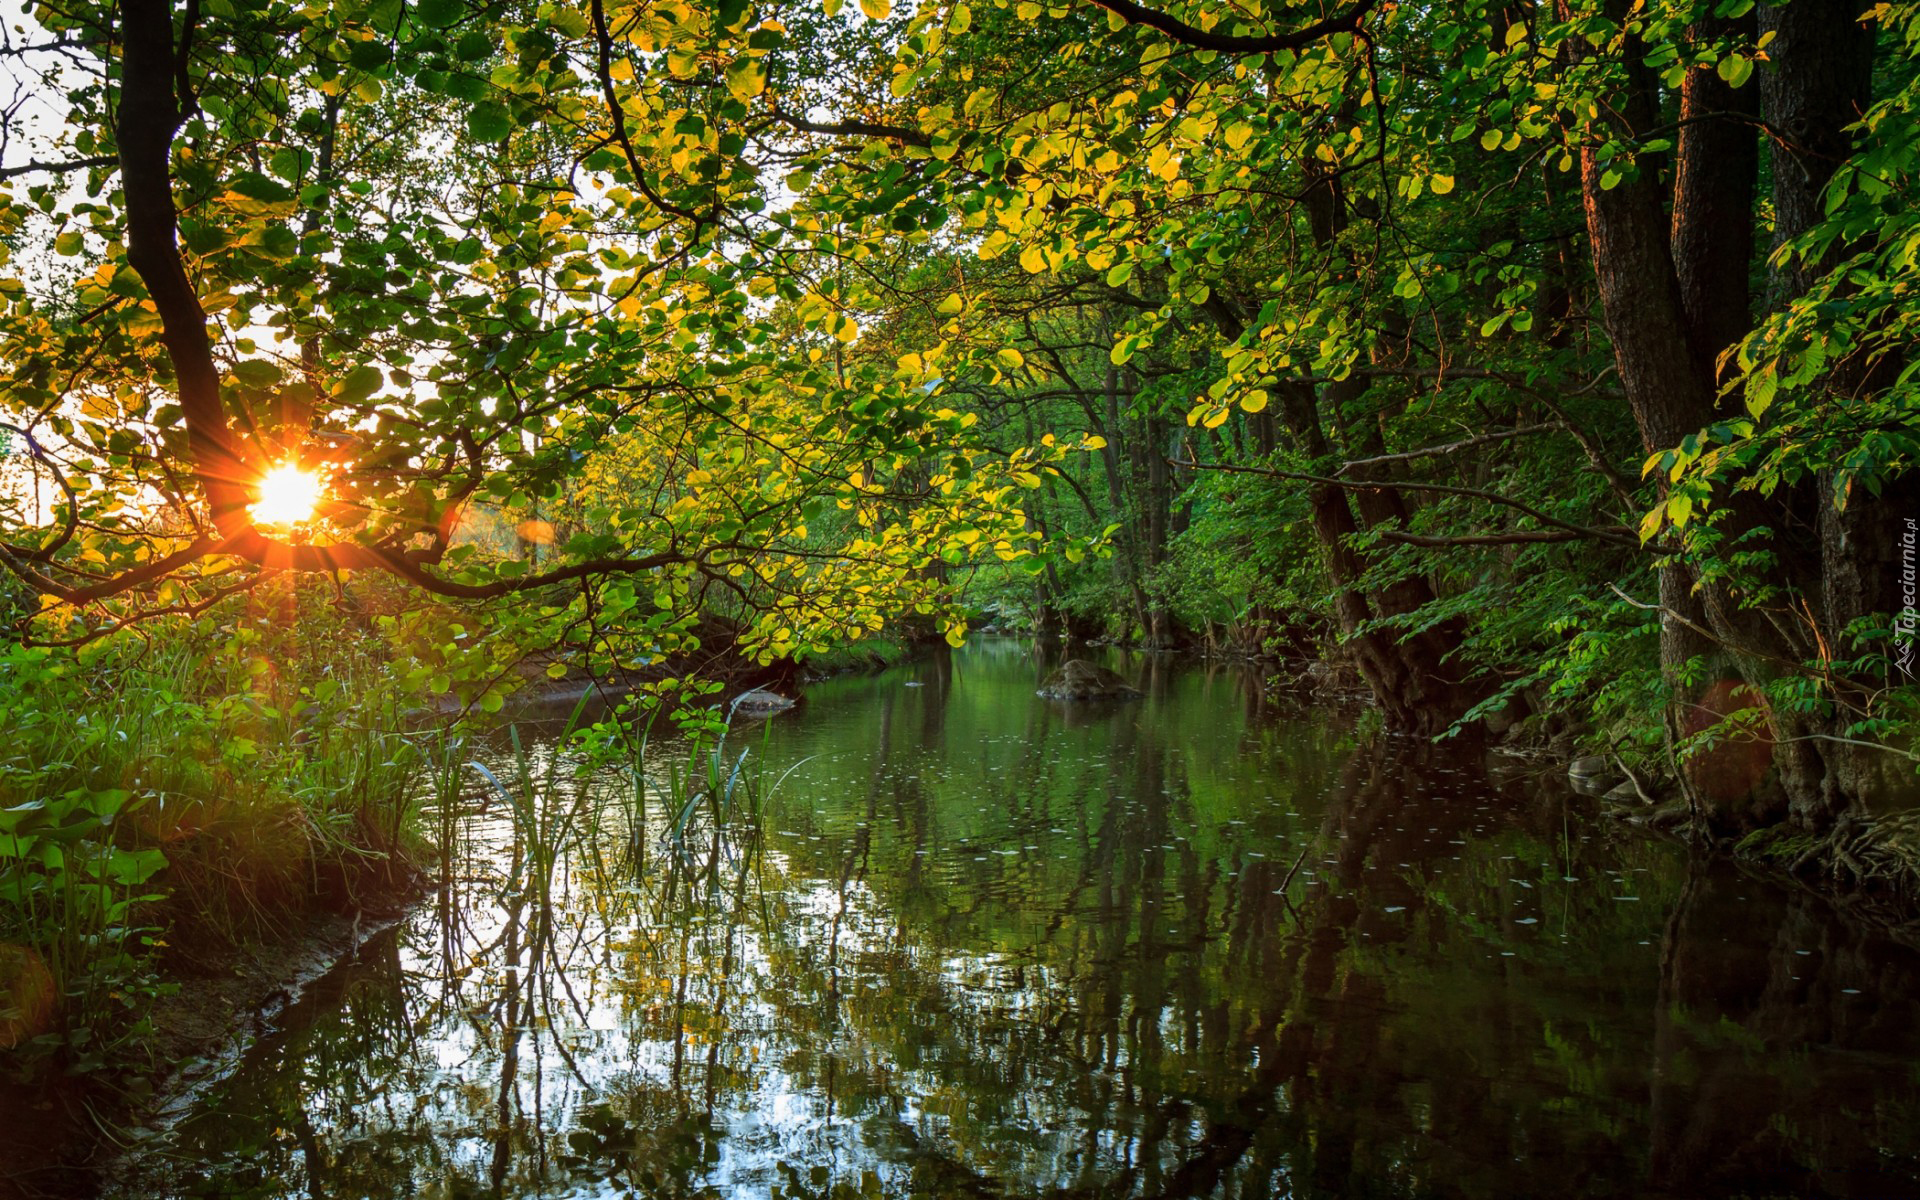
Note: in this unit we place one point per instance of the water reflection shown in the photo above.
(978, 946)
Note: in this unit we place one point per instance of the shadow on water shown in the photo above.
(976, 946)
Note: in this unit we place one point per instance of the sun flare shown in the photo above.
(288, 495)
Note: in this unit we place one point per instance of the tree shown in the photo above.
(834, 292)
(415, 250)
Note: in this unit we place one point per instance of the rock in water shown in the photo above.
(1592, 766)
(760, 702)
(1078, 679)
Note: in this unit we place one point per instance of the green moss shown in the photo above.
(1779, 844)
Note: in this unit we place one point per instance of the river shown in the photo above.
(965, 942)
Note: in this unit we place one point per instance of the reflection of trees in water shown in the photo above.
(1770, 1062)
(1061, 976)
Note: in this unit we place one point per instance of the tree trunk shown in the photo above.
(1816, 83)
(1675, 295)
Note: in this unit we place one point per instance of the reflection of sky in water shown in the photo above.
(986, 945)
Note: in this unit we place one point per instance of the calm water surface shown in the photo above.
(976, 944)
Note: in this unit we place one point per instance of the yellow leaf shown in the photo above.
(746, 78)
(876, 9)
(1441, 184)
(683, 63)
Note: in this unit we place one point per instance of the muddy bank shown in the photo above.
(63, 1136)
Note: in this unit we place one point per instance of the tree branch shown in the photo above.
(1347, 21)
(1450, 447)
(604, 42)
(871, 129)
(1617, 535)
(77, 164)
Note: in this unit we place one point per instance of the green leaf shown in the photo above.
(253, 194)
(489, 121)
(257, 372)
(439, 14)
(359, 383)
(129, 868)
(369, 55)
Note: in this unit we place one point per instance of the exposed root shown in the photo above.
(1880, 855)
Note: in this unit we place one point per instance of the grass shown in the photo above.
(165, 800)
(169, 799)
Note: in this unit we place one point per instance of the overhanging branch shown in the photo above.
(1348, 20)
(1618, 535)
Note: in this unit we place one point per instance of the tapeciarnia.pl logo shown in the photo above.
(1904, 624)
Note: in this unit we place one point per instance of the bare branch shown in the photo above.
(1450, 447)
(77, 164)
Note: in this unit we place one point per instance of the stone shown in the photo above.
(1624, 793)
(760, 702)
(1078, 679)
(1670, 815)
(1591, 766)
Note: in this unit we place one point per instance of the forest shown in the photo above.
(1526, 383)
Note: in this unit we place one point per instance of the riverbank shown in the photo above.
(227, 1010)
(957, 891)
(215, 1008)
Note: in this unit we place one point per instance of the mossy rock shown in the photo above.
(759, 702)
(1078, 679)
(1779, 844)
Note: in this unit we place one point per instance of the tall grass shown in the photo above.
(169, 795)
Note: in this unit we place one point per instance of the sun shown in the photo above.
(288, 495)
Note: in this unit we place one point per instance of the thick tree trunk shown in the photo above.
(1716, 165)
(1676, 295)
(1668, 382)
(1816, 83)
